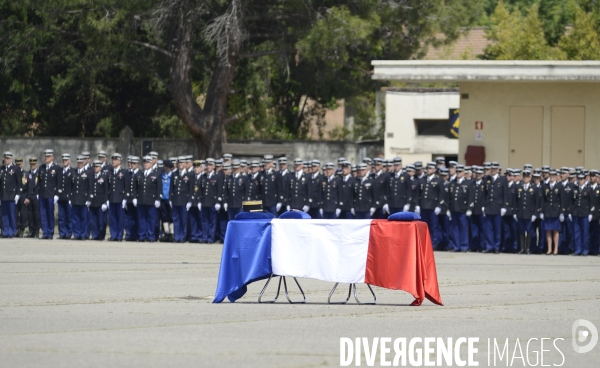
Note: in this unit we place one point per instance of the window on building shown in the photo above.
(433, 127)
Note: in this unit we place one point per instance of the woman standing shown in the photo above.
(551, 212)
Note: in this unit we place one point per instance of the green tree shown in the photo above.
(583, 41)
(518, 37)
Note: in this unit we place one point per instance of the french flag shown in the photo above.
(391, 254)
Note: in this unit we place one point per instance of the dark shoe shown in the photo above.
(140, 240)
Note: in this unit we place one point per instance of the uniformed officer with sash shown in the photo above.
(11, 180)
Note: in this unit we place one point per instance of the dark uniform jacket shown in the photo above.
(551, 200)
(380, 188)
(582, 201)
(182, 187)
(99, 190)
(132, 179)
(49, 179)
(431, 193)
(298, 191)
(331, 193)
(496, 195)
(81, 188)
(346, 200)
(363, 195)
(211, 190)
(148, 187)
(24, 184)
(510, 201)
(237, 190)
(254, 187)
(32, 187)
(314, 190)
(118, 185)
(11, 179)
(461, 196)
(283, 186)
(567, 195)
(196, 188)
(399, 190)
(529, 201)
(478, 196)
(64, 187)
(268, 187)
(595, 201)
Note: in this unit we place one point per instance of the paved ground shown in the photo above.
(67, 303)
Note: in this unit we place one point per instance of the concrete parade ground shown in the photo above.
(105, 304)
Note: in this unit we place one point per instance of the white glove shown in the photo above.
(337, 212)
(135, 202)
(103, 208)
(406, 207)
(449, 214)
(288, 208)
(188, 206)
(502, 211)
(225, 207)
(541, 216)
(17, 198)
(199, 206)
(37, 196)
(418, 210)
(305, 208)
(561, 217)
(171, 204)
(321, 212)
(352, 212)
(107, 205)
(483, 211)
(371, 211)
(469, 213)
(533, 218)
(437, 211)
(278, 207)
(515, 217)
(217, 207)
(570, 217)
(55, 199)
(69, 203)
(88, 203)
(386, 208)
(157, 204)
(589, 218)
(124, 204)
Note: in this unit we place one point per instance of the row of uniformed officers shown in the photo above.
(179, 199)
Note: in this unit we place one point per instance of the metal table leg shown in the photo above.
(265, 288)
(333, 290)
(372, 293)
(286, 291)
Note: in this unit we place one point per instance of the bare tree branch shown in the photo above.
(151, 47)
(264, 53)
(227, 32)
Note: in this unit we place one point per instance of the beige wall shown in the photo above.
(490, 103)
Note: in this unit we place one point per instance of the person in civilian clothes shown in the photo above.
(363, 194)
(268, 184)
(165, 212)
(595, 224)
(331, 193)
(32, 201)
(130, 216)
(315, 179)
(431, 197)
(444, 231)
(236, 191)
(195, 212)
(461, 205)
(380, 189)
(476, 242)
(298, 188)
(117, 197)
(65, 211)
(81, 188)
(551, 211)
(11, 190)
(527, 209)
(346, 200)
(21, 208)
(496, 197)
(148, 189)
(582, 215)
(49, 179)
(212, 198)
(399, 191)
(283, 185)
(181, 200)
(99, 201)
